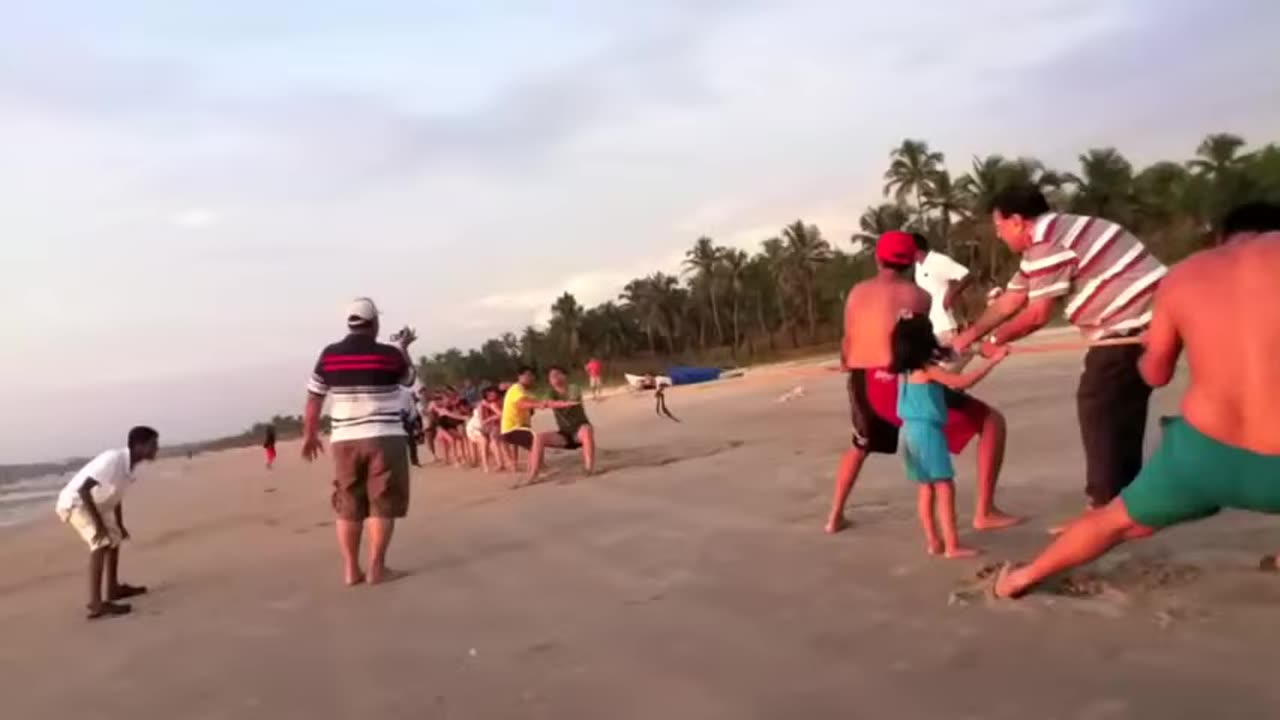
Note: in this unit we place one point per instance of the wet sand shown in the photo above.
(690, 580)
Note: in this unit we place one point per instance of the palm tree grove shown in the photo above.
(728, 305)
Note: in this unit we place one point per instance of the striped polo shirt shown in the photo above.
(365, 379)
(1106, 275)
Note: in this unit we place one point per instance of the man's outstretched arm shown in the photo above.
(1161, 341)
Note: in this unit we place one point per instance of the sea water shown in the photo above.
(29, 498)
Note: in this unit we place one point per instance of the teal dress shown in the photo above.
(923, 410)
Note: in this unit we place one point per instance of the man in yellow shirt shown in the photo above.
(517, 412)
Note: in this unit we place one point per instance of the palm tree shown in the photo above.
(1160, 192)
(912, 171)
(806, 250)
(735, 265)
(878, 220)
(1218, 155)
(530, 344)
(644, 300)
(1104, 186)
(947, 199)
(785, 282)
(702, 260)
(985, 179)
(759, 283)
(566, 321)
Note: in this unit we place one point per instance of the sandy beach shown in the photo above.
(690, 580)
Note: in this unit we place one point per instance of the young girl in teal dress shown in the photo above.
(923, 385)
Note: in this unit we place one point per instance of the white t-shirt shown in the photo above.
(112, 473)
(935, 274)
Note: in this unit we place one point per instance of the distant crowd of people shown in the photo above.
(473, 427)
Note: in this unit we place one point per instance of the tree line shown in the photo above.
(728, 305)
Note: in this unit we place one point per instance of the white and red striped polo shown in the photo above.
(365, 379)
(1105, 273)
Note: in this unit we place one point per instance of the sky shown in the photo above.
(190, 192)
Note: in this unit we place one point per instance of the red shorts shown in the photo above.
(271, 454)
(873, 407)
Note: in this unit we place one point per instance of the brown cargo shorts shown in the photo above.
(371, 477)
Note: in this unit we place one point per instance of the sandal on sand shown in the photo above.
(108, 610)
(125, 591)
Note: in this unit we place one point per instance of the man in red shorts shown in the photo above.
(872, 309)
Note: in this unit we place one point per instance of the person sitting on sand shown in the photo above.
(93, 504)
(371, 478)
(573, 429)
(1223, 306)
(871, 312)
(918, 361)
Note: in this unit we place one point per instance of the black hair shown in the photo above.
(922, 242)
(557, 368)
(896, 267)
(490, 389)
(1251, 217)
(1023, 200)
(524, 369)
(914, 345)
(142, 435)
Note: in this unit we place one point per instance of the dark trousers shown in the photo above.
(413, 451)
(1112, 406)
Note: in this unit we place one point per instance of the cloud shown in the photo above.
(330, 140)
(194, 218)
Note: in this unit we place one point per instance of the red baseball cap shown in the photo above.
(896, 247)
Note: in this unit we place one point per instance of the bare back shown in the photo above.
(1225, 304)
(871, 311)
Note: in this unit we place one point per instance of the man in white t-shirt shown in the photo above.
(93, 504)
(944, 279)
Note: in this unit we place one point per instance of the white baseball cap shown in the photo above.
(361, 311)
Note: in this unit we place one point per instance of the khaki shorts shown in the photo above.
(80, 519)
(371, 477)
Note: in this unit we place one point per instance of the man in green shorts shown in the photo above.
(573, 429)
(1223, 306)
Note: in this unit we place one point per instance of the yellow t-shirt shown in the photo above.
(514, 416)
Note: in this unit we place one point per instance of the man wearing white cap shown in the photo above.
(371, 463)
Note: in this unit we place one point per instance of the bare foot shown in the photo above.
(996, 520)
(1268, 563)
(108, 610)
(934, 547)
(961, 552)
(1006, 585)
(836, 524)
(353, 577)
(384, 576)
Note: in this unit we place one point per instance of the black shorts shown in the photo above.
(520, 437)
(448, 423)
(571, 441)
(871, 431)
(1111, 403)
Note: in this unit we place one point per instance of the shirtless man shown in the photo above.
(871, 311)
(1223, 306)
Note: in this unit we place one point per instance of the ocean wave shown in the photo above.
(27, 496)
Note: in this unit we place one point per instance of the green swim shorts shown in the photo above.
(1193, 476)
